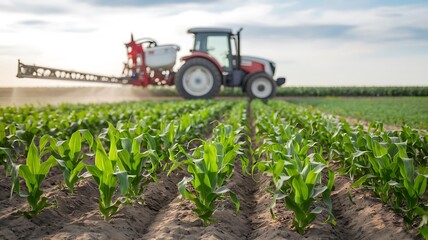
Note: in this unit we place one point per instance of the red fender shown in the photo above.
(206, 56)
(252, 66)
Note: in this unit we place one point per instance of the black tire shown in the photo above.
(260, 86)
(203, 84)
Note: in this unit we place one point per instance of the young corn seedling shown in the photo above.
(298, 182)
(104, 174)
(303, 192)
(69, 157)
(4, 150)
(142, 166)
(295, 174)
(210, 167)
(381, 170)
(34, 172)
(412, 190)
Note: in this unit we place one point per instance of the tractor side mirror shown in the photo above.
(280, 81)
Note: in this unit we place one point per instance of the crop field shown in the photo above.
(412, 111)
(224, 169)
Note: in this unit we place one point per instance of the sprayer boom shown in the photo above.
(33, 71)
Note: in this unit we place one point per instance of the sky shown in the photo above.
(313, 42)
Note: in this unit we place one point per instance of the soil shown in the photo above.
(164, 215)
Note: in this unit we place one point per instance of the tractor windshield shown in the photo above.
(217, 45)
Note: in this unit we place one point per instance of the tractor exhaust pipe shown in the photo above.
(238, 57)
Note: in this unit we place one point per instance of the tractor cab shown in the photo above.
(216, 42)
(216, 60)
(223, 47)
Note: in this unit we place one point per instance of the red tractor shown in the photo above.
(215, 60)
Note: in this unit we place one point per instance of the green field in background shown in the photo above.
(412, 111)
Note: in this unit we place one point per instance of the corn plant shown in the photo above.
(296, 174)
(305, 192)
(417, 146)
(209, 167)
(105, 175)
(391, 163)
(34, 172)
(3, 145)
(141, 165)
(69, 156)
(6, 158)
(299, 183)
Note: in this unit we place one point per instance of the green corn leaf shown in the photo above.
(424, 231)
(316, 210)
(359, 153)
(393, 183)
(280, 182)
(235, 201)
(318, 191)
(327, 198)
(222, 190)
(126, 144)
(74, 175)
(33, 159)
(275, 197)
(151, 143)
(28, 175)
(300, 189)
(182, 188)
(46, 166)
(88, 137)
(15, 181)
(379, 150)
(112, 154)
(102, 162)
(420, 184)
(124, 162)
(331, 177)
(278, 168)
(96, 173)
(123, 178)
(43, 141)
(75, 144)
(300, 216)
(407, 169)
(136, 144)
(361, 181)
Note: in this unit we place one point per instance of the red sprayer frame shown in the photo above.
(136, 66)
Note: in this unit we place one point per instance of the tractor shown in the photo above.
(215, 60)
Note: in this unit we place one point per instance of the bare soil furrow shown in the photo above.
(76, 216)
(230, 224)
(368, 218)
(264, 227)
(178, 221)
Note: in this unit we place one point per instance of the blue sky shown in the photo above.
(316, 43)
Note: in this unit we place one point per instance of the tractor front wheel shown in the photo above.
(198, 78)
(261, 86)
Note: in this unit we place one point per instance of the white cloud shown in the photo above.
(381, 45)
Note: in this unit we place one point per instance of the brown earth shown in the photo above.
(165, 216)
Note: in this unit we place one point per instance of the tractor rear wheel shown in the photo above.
(198, 78)
(260, 85)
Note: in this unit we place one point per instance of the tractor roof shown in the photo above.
(210, 30)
